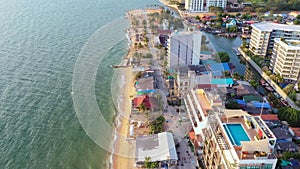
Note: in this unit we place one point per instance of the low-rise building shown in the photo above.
(156, 148)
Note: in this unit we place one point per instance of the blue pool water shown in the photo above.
(236, 133)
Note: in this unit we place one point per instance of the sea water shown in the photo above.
(40, 44)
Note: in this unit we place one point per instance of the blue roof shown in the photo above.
(261, 104)
(217, 73)
(222, 81)
(239, 101)
(219, 67)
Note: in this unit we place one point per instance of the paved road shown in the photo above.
(269, 80)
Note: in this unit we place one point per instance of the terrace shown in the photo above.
(250, 139)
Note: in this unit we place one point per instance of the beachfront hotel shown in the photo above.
(228, 138)
(203, 5)
(184, 49)
(285, 59)
(263, 35)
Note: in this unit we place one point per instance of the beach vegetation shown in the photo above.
(138, 75)
(149, 164)
(156, 126)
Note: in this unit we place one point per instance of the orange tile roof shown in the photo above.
(296, 130)
(269, 116)
(192, 135)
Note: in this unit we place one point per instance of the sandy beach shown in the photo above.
(123, 155)
(124, 148)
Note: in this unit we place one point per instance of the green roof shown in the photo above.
(250, 97)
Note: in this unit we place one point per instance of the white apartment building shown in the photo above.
(203, 5)
(263, 35)
(184, 49)
(285, 59)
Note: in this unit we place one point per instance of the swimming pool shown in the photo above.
(236, 133)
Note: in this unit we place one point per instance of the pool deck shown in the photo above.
(251, 134)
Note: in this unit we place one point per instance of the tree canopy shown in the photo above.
(224, 57)
(291, 115)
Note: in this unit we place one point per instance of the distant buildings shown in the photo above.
(285, 59)
(203, 5)
(263, 35)
(184, 49)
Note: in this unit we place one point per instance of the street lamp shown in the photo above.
(262, 106)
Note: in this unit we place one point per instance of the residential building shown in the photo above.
(198, 103)
(285, 59)
(157, 147)
(228, 138)
(234, 139)
(203, 5)
(184, 49)
(263, 35)
(203, 76)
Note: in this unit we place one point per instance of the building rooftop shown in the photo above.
(159, 147)
(291, 44)
(257, 133)
(281, 133)
(145, 84)
(269, 26)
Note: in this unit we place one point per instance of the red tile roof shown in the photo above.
(296, 130)
(137, 101)
(269, 117)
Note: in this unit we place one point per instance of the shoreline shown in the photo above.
(121, 155)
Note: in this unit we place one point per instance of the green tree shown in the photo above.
(291, 115)
(253, 83)
(224, 57)
(232, 105)
(288, 89)
(232, 29)
(147, 163)
(279, 79)
(236, 76)
(215, 9)
(296, 22)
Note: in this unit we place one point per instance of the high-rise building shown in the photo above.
(263, 35)
(203, 5)
(235, 139)
(184, 49)
(229, 138)
(285, 59)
